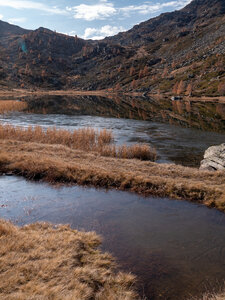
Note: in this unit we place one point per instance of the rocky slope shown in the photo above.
(179, 52)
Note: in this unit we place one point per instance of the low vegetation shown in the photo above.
(87, 139)
(11, 105)
(142, 152)
(219, 296)
(41, 261)
(58, 163)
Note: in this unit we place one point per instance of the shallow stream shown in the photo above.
(176, 248)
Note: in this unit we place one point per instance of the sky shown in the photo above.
(90, 19)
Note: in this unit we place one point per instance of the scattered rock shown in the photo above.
(214, 158)
(176, 98)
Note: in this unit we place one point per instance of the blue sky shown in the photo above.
(88, 19)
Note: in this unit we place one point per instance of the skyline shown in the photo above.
(89, 19)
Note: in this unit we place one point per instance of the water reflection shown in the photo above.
(202, 115)
(135, 120)
(176, 248)
(175, 144)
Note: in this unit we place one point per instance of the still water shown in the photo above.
(179, 130)
(176, 248)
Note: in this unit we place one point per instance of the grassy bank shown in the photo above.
(86, 139)
(58, 163)
(11, 105)
(41, 261)
(219, 296)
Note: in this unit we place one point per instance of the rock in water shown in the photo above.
(214, 158)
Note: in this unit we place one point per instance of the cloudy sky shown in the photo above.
(90, 19)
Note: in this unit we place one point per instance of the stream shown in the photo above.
(176, 248)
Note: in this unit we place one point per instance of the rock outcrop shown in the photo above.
(174, 45)
(214, 158)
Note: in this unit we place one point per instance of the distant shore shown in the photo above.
(23, 93)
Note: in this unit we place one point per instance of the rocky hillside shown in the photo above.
(182, 52)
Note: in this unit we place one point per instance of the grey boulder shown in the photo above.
(214, 158)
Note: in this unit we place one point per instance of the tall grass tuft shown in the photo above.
(11, 105)
(86, 139)
(138, 151)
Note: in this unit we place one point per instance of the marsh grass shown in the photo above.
(11, 105)
(138, 151)
(42, 261)
(86, 139)
(211, 296)
(58, 163)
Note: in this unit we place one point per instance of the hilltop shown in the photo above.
(182, 52)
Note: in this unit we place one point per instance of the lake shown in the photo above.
(135, 120)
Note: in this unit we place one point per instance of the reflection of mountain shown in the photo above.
(210, 116)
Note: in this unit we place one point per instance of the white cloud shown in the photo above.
(149, 8)
(104, 9)
(25, 4)
(1, 17)
(17, 20)
(73, 32)
(99, 11)
(101, 33)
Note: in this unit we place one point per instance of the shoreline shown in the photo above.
(61, 164)
(103, 93)
(57, 262)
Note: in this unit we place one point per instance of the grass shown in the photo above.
(87, 139)
(44, 262)
(209, 296)
(58, 163)
(142, 152)
(11, 105)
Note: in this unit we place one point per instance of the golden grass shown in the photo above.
(87, 139)
(11, 105)
(57, 163)
(142, 152)
(219, 296)
(45, 262)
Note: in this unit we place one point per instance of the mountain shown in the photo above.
(178, 52)
(7, 29)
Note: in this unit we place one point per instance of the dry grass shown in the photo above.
(11, 105)
(214, 297)
(219, 296)
(45, 262)
(138, 151)
(57, 163)
(87, 139)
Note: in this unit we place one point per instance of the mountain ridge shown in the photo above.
(148, 57)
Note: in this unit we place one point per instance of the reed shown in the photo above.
(138, 151)
(11, 105)
(86, 139)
